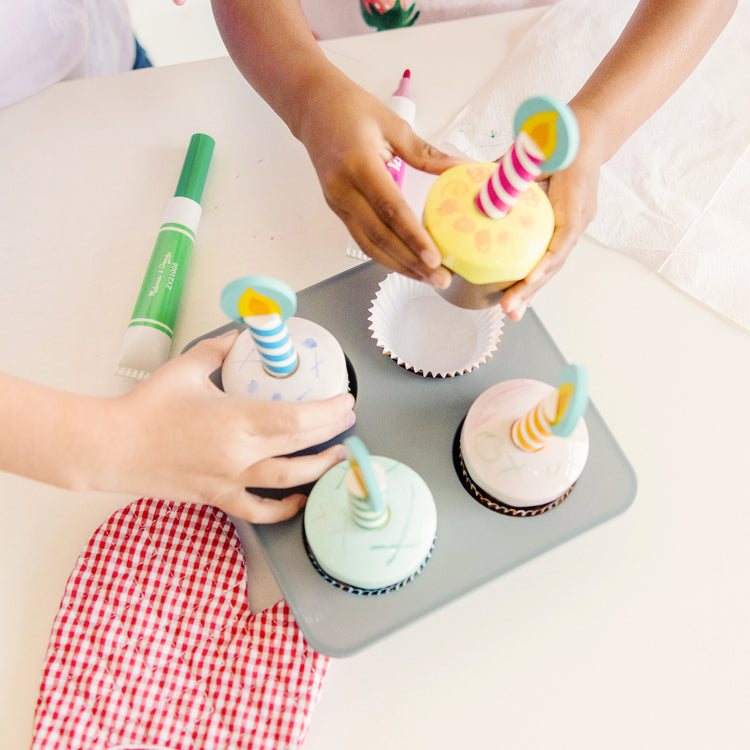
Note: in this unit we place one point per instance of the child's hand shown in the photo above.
(350, 135)
(177, 436)
(573, 194)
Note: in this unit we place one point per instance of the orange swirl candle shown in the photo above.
(556, 414)
(491, 222)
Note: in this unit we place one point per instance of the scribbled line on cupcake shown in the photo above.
(500, 507)
(490, 447)
(254, 357)
(396, 547)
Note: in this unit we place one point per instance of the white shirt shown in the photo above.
(46, 41)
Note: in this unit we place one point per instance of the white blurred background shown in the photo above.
(174, 34)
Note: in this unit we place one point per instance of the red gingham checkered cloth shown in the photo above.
(154, 645)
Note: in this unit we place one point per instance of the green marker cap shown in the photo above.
(195, 167)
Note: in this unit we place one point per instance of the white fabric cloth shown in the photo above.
(330, 19)
(46, 41)
(674, 196)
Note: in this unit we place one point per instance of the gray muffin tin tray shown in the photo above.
(413, 419)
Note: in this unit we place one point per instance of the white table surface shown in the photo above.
(632, 635)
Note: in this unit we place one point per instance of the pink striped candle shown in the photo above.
(519, 167)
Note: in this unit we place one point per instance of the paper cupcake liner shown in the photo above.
(422, 332)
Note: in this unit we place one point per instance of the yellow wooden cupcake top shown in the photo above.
(484, 250)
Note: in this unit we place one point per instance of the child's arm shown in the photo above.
(658, 49)
(175, 436)
(349, 134)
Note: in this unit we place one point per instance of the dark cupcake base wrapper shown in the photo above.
(498, 506)
(351, 589)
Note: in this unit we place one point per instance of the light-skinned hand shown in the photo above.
(181, 437)
(175, 435)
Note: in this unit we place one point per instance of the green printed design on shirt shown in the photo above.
(386, 14)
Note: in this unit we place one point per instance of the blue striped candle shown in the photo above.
(274, 344)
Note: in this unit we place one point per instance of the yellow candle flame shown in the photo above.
(252, 303)
(564, 394)
(542, 128)
(360, 477)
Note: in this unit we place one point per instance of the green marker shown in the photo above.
(148, 338)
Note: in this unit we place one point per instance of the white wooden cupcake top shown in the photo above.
(321, 372)
(507, 473)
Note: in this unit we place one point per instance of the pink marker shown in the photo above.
(403, 105)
